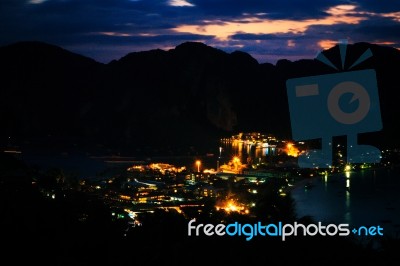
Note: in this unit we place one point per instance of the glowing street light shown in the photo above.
(219, 158)
(198, 163)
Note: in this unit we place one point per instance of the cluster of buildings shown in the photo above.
(249, 165)
(145, 188)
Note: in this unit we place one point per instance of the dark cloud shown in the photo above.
(388, 32)
(288, 9)
(381, 6)
(72, 19)
(283, 36)
(375, 29)
(78, 24)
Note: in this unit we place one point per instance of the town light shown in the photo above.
(198, 163)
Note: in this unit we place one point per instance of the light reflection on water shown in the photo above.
(247, 152)
(365, 198)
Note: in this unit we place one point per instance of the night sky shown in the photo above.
(267, 29)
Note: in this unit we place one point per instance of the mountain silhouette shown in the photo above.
(190, 95)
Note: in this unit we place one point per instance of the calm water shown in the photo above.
(84, 165)
(369, 197)
(79, 164)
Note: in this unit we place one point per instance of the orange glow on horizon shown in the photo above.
(222, 30)
(385, 43)
(326, 44)
(260, 24)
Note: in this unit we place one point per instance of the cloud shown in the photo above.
(36, 1)
(276, 9)
(179, 3)
(265, 29)
(381, 6)
(253, 25)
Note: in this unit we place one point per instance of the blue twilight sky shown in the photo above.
(267, 29)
